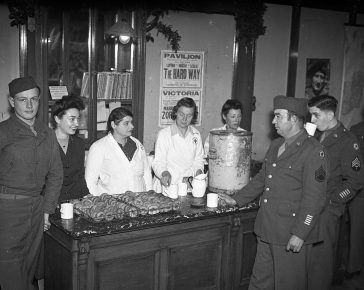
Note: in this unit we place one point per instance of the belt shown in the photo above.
(13, 196)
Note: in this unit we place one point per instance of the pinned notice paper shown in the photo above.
(57, 92)
(113, 105)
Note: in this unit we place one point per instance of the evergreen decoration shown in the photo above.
(172, 36)
(248, 15)
(20, 11)
(249, 18)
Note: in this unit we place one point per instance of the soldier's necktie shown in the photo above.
(282, 148)
(323, 135)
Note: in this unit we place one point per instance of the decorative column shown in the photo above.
(23, 56)
(243, 78)
(293, 49)
(249, 26)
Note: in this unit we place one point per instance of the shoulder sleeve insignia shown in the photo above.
(320, 174)
(355, 164)
(322, 154)
(356, 146)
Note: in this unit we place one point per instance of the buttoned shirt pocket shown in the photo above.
(292, 172)
(7, 163)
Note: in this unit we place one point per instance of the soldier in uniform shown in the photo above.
(345, 179)
(31, 176)
(292, 186)
(356, 212)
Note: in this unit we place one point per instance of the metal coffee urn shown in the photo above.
(229, 160)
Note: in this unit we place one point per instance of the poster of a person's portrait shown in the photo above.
(317, 77)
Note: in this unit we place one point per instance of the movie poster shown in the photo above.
(182, 75)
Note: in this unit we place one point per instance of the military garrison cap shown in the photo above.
(22, 84)
(295, 105)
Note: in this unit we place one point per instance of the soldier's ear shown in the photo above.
(11, 101)
(330, 115)
(294, 118)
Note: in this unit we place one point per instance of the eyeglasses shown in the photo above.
(24, 101)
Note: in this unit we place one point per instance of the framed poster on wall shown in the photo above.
(317, 77)
(181, 75)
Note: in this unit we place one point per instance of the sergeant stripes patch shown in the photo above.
(344, 193)
(308, 220)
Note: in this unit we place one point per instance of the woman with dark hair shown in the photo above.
(178, 150)
(65, 121)
(117, 162)
(231, 114)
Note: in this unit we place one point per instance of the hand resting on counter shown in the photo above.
(227, 198)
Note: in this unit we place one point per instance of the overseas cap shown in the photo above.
(295, 105)
(22, 84)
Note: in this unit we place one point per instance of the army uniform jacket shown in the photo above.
(30, 165)
(346, 171)
(358, 131)
(293, 189)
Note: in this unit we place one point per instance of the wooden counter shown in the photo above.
(189, 249)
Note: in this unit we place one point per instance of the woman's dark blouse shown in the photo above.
(74, 184)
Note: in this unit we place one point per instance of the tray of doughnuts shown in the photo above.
(130, 204)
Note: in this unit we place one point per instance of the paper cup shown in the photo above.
(182, 189)
(66, 210)
(173, 191)
(310, 128)
(212, 199)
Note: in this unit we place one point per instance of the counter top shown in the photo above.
(80, 227)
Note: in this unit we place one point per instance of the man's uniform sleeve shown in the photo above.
(314, 185)
(253, 189)
(352, 173)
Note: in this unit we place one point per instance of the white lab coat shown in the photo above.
(108, 170)
(181, 156)
(207, 140)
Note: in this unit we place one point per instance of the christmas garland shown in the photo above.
(249, 17)
(20, 11)
(172, 36)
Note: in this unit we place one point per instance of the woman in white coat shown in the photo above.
(117, 162)
(178, 150)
